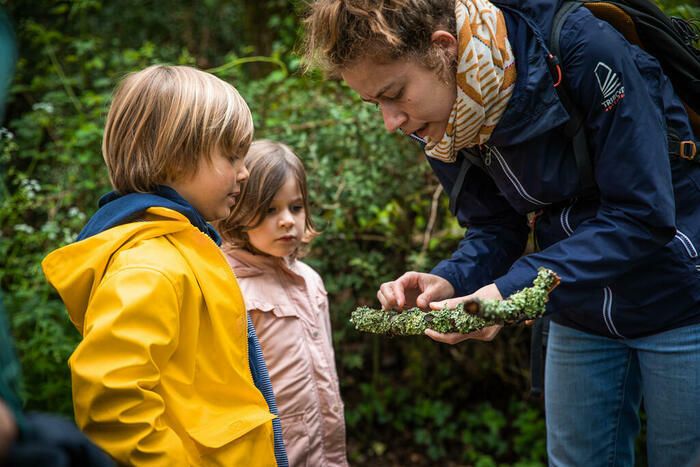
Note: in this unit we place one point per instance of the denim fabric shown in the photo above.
(594, 387)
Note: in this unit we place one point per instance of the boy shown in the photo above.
(163, 374)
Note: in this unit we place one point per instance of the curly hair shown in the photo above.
(340, 32)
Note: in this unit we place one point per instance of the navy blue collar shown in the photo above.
(116, 209)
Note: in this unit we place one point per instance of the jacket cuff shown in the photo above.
(442, 271)
(455, 276)
(516, 279)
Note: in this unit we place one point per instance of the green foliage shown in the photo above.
(408, 400)
(432, 429)
(52, 175)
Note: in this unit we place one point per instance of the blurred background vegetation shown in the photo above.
(408, 400)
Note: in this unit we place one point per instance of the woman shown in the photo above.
(473, 83)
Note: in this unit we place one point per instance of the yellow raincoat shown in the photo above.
(161, 376)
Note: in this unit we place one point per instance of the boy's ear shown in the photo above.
(446, 41)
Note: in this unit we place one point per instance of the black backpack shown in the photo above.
(670, 41)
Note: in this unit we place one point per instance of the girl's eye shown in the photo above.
(297, 208)
(271, 210)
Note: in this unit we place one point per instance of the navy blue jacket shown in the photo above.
(627, 253)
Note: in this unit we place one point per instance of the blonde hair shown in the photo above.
(164, 119)
(340, 32)
(270, 164)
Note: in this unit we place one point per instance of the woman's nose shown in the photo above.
(393, 117)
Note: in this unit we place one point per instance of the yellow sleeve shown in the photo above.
(131, 331)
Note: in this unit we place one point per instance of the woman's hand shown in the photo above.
(489, 292)
(414, 289)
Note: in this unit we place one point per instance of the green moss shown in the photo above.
(528, 303)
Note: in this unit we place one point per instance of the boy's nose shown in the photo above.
(243, 174)
(393, 117)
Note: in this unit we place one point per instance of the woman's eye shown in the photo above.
(396, 96)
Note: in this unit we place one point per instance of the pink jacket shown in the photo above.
(289, 308)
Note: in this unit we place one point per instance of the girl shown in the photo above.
(475, 84)
(265, 236)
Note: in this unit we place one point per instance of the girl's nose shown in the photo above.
(393, 117)
(286, 219)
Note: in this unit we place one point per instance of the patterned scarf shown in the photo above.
(485, 79)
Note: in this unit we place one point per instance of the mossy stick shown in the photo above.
(526, 304)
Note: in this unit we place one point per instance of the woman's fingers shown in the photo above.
(453, 302)
(391, 295)
(448, 338)
(400, 293)
(413, 289)
(487, 334)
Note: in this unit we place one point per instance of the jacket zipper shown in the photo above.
(487, 156)
(687, 244)
(492, 151)
(564, 219)
(607, 312)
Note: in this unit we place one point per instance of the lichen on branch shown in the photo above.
(528, 303)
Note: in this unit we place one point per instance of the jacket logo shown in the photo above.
(609, 83)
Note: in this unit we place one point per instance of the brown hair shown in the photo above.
(339, 32)
(269, 164)
(164, 119)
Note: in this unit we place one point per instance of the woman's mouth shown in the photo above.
(422, 131)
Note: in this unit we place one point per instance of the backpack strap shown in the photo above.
(469, 159)
(687, 150)
(567, 7)
(574, 128)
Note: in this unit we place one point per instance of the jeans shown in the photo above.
(594, 387)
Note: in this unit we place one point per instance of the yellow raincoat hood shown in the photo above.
(161, 375)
